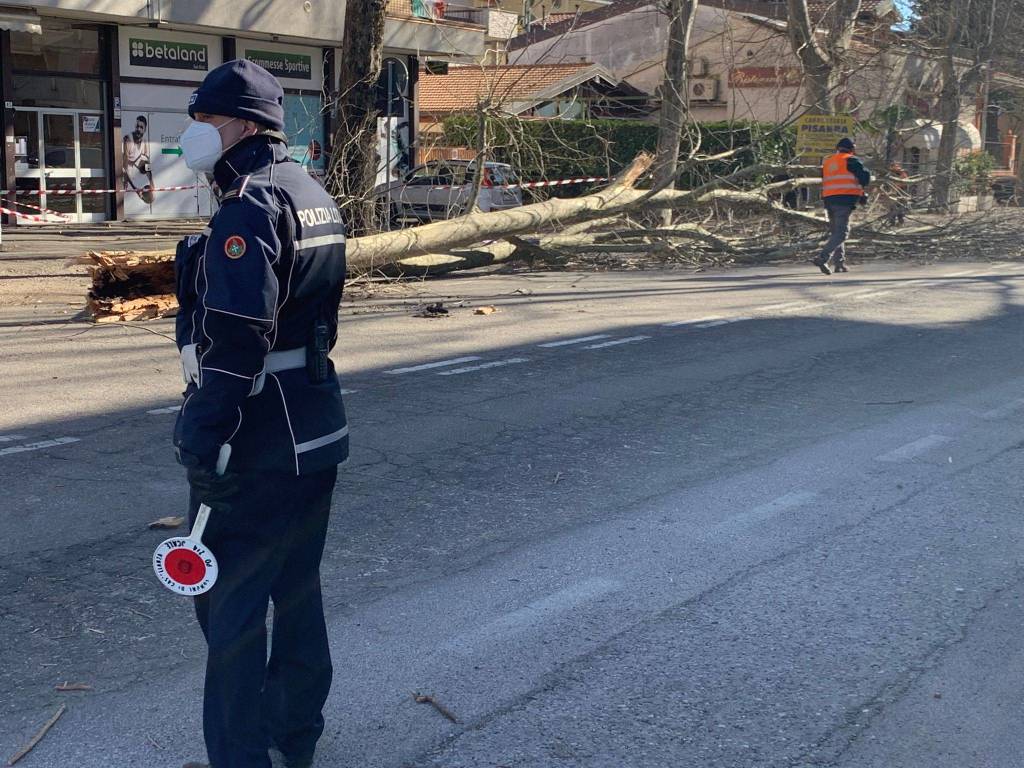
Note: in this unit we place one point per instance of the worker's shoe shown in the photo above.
(822, 264)
(841, 267)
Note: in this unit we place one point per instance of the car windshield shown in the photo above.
(438, 173)
(501, 174)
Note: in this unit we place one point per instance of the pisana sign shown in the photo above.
(816, 135)
(167, 55)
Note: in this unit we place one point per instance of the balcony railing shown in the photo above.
(437, 10)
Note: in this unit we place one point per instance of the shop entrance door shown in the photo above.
(62, 151)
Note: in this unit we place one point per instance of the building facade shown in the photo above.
(95, 94)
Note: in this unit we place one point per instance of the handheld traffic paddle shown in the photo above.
(185, 565)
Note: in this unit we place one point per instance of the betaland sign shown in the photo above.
(167, 55)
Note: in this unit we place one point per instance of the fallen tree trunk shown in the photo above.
(139, 285)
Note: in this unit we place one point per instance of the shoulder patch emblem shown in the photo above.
(234, 247)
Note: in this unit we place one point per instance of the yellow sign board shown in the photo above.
(816, 135)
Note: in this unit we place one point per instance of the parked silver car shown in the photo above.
(442, 189)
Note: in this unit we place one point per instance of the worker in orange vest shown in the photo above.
(844, 181)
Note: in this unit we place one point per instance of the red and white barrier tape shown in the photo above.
(560, 182)
(58, 214)
(66, 191)
(61, 218)
(532, 184)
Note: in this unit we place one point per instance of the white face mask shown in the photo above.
(202, 145)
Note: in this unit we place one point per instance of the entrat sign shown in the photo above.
(165, 55)
(293, 65)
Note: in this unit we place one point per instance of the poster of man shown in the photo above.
(136, 168)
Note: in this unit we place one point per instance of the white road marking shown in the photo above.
(679, 323)
(349, 391)
(960, 274)
(484, 366)
(11, 438)
(791, 307)
(914, 449)
(38, 446)
(567, 342)
(539, 612)
(428, 366)
(728, 321)
(168, 409)
(1003, 411)
(616, 342)
(770, 509)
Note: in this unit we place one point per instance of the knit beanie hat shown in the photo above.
(241, 89)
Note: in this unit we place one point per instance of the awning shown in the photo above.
(20, 21)
(926, 135)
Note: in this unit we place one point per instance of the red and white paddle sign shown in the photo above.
(185, 565)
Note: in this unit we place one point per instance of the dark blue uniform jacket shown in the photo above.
(269, 266)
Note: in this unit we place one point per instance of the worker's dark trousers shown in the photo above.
(268, 547)
(839, 215)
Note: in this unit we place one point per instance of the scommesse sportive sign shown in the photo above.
(296, 66)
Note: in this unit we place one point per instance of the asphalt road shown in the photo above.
(753, 518)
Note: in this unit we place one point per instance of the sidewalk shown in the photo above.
(36, 286)
(61, 240)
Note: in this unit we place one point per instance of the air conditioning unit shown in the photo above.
(703, 88)
(697, 67)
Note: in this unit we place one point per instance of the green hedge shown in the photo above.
(558, 149)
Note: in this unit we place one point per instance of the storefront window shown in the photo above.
(63, 92)
(63, 47)
(304, 126)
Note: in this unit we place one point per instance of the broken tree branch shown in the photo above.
(39, 736)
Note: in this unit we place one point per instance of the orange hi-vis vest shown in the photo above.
(836, 179)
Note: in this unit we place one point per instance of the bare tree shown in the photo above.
(674, 93)
(354, 164)
(963, 35)
(823, 55)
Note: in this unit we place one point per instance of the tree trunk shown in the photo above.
(674, 93)
(353, 172)
(949, 114)
(822, 58)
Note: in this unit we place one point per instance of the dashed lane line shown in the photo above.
(168, 409)
(536, 614)
(483, 366)
(38, 446)
(726, 321)
(915, 448)
(11, 438)
(430, 366)
(569, 342)
(683, 324)
(616, 342)
(792, 306)
(770, 509)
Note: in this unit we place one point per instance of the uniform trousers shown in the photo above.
(268, 547)
(839, 215)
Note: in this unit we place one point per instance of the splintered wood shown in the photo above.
(129, 285)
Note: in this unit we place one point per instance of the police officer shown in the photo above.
(259, 291)
(844, 181)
